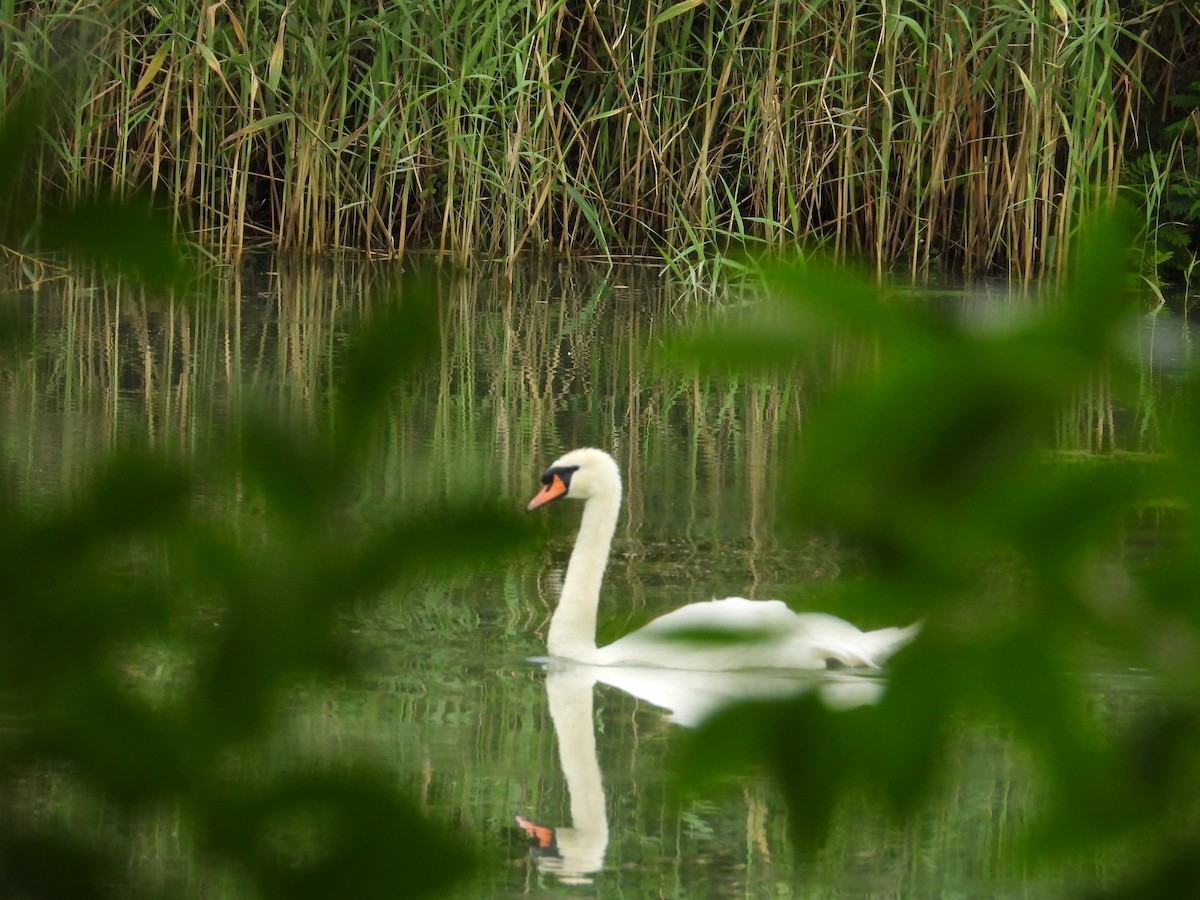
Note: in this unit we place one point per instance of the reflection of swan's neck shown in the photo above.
(570, 708)
(580, 846)
(573, 627)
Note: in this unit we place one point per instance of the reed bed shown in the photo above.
(960, 134)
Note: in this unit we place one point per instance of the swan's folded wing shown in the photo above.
(735, 633)
(733, 615)
(716, 635)
(837, 640)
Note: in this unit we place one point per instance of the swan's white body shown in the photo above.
(718, 635)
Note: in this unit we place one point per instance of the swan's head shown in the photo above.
(580, 475)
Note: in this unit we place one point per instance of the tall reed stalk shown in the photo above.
(956, 134)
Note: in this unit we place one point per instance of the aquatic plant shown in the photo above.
(927, 135)
(1163, 179)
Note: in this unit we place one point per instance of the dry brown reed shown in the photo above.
(959, 135)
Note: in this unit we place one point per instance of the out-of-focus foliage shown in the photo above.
(136, 564)
(935, 465)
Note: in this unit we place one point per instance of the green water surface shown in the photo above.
(560, 356)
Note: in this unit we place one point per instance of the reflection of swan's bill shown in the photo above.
(568, 865)
(541, 838)
(716, 635)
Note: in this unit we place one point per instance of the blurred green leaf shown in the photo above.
(932, 459)
(295, 476)
(1099, 291)
(130, 493)
(398, 338)
(131, 753)
(20, 133)
(1172, 877)
(55, 867)
(86, 581)
(123, 235)
(437, 540)
(314, 834)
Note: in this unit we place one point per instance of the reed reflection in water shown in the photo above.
(558, 356)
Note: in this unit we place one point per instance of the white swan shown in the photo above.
(717, 635)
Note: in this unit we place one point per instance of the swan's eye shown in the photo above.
(563, 472)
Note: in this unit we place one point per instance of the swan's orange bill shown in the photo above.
(555, 489)
(540, 833)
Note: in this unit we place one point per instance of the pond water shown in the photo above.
(487, 742)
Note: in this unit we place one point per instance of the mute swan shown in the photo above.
(765, 634)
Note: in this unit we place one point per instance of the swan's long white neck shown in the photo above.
(573, 627)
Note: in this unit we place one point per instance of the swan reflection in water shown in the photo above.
(575, 853)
